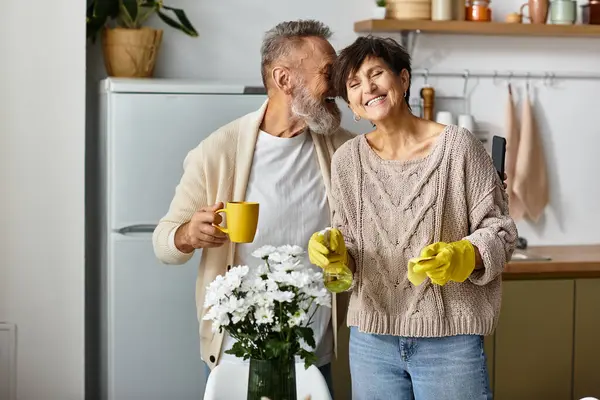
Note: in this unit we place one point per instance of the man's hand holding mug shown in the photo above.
(203, 230)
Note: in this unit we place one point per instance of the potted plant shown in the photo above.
(380, 9)
(129, 48)
(268, 310)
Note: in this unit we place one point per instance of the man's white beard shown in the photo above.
(318, 117)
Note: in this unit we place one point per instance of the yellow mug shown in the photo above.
(242, 220)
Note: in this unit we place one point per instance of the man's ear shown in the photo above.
(282, 78)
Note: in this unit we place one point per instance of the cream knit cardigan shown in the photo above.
(218, 170)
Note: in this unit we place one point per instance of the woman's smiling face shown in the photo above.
(375, 92)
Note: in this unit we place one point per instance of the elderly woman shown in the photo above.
(420, 215)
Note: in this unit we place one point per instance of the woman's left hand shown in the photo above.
(444, 262)
(325, 249)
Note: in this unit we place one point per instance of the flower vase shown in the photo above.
(274, 379)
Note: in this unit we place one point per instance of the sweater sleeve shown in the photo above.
(342, 218)
(190, 195)
(491, 228)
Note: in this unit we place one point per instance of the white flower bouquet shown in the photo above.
(268, 309)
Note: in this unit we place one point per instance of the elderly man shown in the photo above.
(278, 156)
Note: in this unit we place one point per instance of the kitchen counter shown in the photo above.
(546, 343)
(564, 262)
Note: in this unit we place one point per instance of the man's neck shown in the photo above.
(279, 120)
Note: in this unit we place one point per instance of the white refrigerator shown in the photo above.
(148, 343)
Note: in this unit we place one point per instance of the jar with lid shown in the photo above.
(478, 10)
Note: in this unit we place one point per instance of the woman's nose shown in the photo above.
(369, 88)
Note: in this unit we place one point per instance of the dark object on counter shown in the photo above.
(499, 154)
(521, 243)
(590, 13)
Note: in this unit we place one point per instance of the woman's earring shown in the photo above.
(405, 92)
(356, 118)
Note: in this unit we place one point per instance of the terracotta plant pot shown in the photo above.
(131, 53)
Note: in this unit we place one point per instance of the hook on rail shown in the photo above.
(466, 86)
(546, 79)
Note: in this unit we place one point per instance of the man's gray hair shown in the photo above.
(284, 37)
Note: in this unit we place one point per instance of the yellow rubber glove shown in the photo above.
(326, 247)
(443, 262)
(416, 278)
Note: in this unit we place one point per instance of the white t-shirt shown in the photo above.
(287, 182)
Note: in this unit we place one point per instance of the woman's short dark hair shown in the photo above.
(351, 58)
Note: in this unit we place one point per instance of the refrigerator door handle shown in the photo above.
(141, 228)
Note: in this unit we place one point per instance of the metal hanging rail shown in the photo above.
(546, 77)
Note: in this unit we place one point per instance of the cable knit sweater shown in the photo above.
(389, 210)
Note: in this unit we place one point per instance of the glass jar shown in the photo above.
(479, 10)
(337, 277)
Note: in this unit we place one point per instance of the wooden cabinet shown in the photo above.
(534, 341)
(342, 386)
(546, 346)
(586, 357)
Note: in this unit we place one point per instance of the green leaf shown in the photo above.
(93, 26)
(277, 348)
(308, 357)
(307, 334)
(239, 351)
(147, 9)
(130, 9)
(104, 9)
(184, 24)
(97, 15)
(182, 17)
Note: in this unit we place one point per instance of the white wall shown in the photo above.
(42, 132)
(228, 49)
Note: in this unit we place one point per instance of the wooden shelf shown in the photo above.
(476, 28)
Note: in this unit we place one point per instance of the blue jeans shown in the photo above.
(392, 367)
(325, 370)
